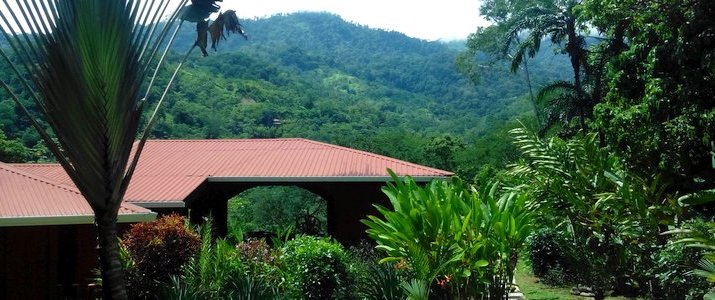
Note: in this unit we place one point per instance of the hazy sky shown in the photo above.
(426, 19)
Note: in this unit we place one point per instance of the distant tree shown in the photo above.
(12, 151)
(489, 40)
(440, 152)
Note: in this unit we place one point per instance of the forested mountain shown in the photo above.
(317, 76)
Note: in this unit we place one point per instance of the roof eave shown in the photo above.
(346, 179)
(148, 204)
(71, 220)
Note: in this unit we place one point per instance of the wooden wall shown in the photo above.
(47, 262)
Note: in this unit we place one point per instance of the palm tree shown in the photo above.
(558, 22)
(84, 64)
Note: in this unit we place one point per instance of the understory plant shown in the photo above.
(613, 217)
(219, 271)
(155, 251)
(548, 255)
(455, 241)
(317, 268)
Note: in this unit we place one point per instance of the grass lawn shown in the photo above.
(534, 290)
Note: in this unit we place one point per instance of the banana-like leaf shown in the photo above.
(697, 198)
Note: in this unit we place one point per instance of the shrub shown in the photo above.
(157, 250)
(383, 282)
(376, 280)
(549, 256)
(675, 264)
(318, 268)
(258, 258)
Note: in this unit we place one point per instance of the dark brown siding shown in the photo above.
(47, 262)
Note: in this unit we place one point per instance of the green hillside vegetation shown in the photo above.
(316, 76)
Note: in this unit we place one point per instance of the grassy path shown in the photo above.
(534, 290)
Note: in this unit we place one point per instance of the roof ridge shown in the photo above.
(12, 169)
(375, 155)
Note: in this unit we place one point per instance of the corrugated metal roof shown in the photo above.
(169, 170)
(29, 199)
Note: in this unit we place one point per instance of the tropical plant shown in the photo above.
(557, 20)
(416, 289)
(697, 234)
(382, 282)
(458, 241)
(214, 267)
(490, 40)
(613, 216)
(506, 223)
(673, 272)
(428, 227)
(84, 64)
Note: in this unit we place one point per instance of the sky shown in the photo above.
(426, 19)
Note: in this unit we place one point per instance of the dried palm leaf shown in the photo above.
(228, 22)
(202, 36)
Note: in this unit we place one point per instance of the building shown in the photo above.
(194, 177)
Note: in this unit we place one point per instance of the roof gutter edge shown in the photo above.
(263, 179)
(71, 220)
(158, 204)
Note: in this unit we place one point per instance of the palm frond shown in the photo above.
(88, 81)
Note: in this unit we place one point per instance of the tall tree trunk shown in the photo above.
(531, 95)
(574, 50)
(531, 90)
(108, 249)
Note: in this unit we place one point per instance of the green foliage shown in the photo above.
(275, 207)
(659, 113)
(430, 227)
(382, 282)
(549, 257)
(215, 266)
(447, 232)
(218, 272)
(155, 251)
(318, 268)
(673, 272)
(416, 289)
(614, 217)
(518, 30)
(13, 151)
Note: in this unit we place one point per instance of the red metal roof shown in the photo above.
(169, 170)
(29, 199)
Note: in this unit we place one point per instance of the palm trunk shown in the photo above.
(531, 90)
(531, 95)
(108, 249)
(574, 51)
